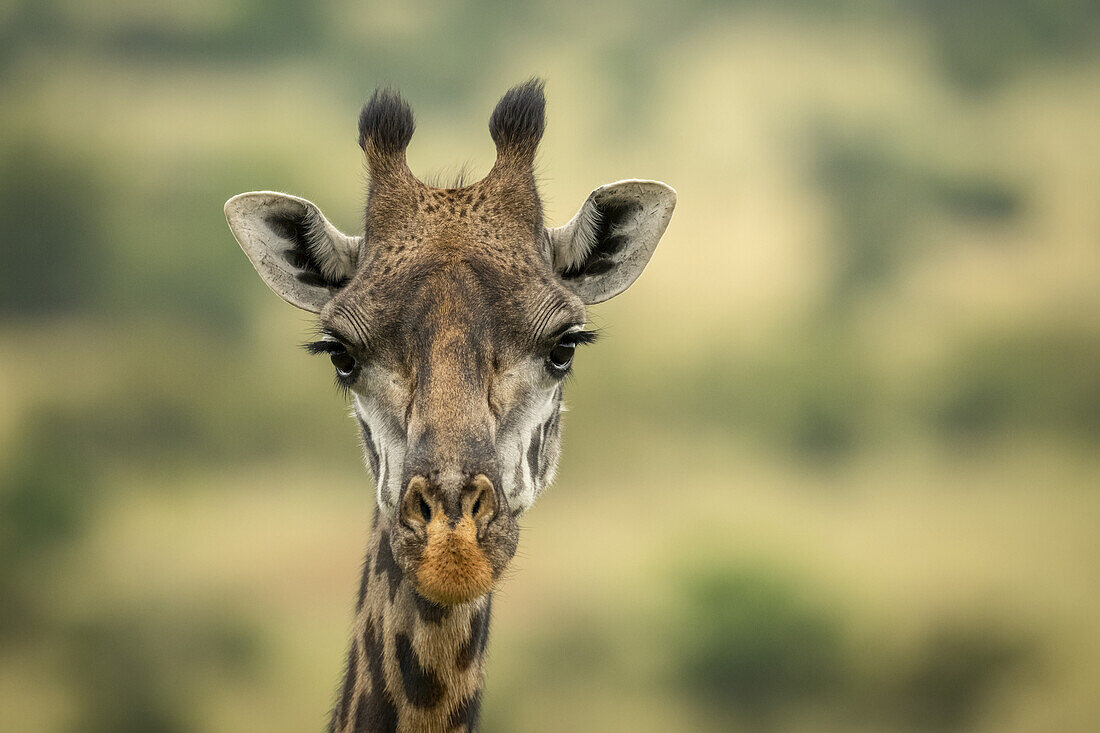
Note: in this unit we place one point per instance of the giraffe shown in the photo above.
(451, 323)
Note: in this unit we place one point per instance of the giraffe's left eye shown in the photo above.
(561, 356)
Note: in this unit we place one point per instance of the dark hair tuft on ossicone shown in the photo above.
(519, 119)
(387, 121)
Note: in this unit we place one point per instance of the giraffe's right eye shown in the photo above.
(342, 360)
(337, 353)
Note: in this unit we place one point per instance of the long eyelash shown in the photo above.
(324, 347)
(331, 347)
(582, 337)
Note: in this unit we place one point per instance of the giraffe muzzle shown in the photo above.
(458, 537)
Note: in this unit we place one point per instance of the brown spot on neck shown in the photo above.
(413, 665)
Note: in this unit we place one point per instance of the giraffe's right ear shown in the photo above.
(302, 257)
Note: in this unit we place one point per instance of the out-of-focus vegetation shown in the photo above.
(834, 466)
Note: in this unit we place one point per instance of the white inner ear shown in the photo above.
(334, 254)
(590, 263)
(573, 241)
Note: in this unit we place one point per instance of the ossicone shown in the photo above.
(519, 120)
(386, 126)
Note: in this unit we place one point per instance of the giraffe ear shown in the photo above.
(605, 247)
(302, 257)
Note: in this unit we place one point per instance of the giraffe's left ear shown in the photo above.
(605, 247)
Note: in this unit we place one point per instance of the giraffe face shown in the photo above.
(452, 323)
(456, 389)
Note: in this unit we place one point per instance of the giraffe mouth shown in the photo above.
(453, 543)
(453, 567)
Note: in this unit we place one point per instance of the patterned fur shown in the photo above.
(442, 320)
(413, 665)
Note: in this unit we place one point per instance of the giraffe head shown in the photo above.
(452, 322)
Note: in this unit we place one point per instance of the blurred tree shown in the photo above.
(1022, 382)
(881, 198)
(754, 645)
(54, 244)
(982, 43)
(957, 669)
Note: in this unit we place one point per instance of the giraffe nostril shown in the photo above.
(479, 502)
(417, 503)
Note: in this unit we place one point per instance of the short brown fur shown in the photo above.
(434, 260)
(452, 324)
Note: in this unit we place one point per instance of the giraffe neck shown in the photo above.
(412, 665)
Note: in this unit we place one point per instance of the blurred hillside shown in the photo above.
(833, 467)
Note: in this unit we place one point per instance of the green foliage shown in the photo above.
(44, 496)
(958, 668)
(811, 401)
(881, 199)
(128, 669)
(121, 682)
(1019, 383)
(755, 644)
(54, 244)
(982, 43)
(756, 647)
(46, 493)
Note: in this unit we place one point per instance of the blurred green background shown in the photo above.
(834, 466)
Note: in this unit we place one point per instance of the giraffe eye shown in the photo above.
(342, 360)
(561, 356)
(345, 364)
